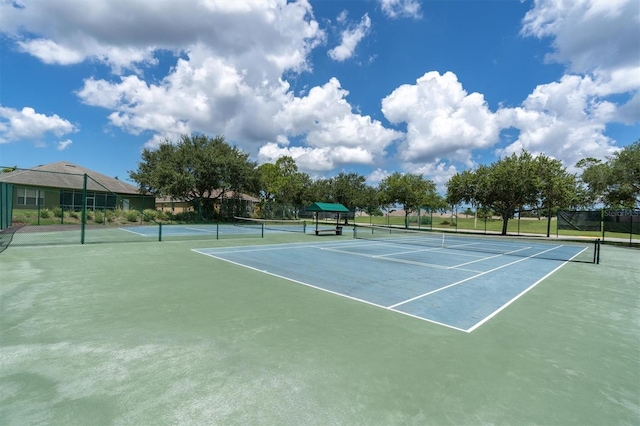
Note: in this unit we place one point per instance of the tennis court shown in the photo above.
(241, 226)
(190, 230)
(144, 332)
(456, 282)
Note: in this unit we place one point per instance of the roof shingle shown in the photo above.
(67, 176)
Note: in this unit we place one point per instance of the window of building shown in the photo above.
(30, 197)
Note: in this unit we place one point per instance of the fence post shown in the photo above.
(84, 208)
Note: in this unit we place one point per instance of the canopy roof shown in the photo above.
(327, 207)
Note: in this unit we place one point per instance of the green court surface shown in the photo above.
(155, 333)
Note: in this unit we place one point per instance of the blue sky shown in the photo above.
(366, 86)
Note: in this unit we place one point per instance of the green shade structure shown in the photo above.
(328, 208)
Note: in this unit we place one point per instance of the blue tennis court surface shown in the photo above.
(456, 288)
(223, 229)
(192, 230)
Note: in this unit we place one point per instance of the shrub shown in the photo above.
(185, 216)
(110, 215)
(150, 214)
(45, 213)
(99, 217)
(132, 216)
(74, 214)
(57, 212)
(163, 216)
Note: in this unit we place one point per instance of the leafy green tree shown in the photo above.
(504, 186)
(556, 187)
(283, 185)
(267, 181)
(289, 184)
(321, 190)
(8, 169)
(615, 183)
(411, 191)
(463, 188)
(198, 169)
(593, 181)
(371, 201)
(348, 189)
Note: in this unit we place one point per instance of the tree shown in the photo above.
(595, 175)
(504, 186)
(615, 183)
(283, 184)
(321, 191)
(462, 188)
(197, 168)
(289, 183)
(350, 190)
(267, 181)
(8, 169)
(556, 187)
(409, 190)
(371, 204)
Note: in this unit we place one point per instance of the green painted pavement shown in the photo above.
(153, 333)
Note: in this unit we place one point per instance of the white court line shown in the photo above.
(267, 247)
(329, 291)
(390, 259)
(470, 278)
(409, 252)
(500, 309)
(490, 257)
(137, 233)
(478, 324)
(325, 246)
(213, 231)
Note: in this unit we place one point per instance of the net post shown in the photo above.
(160, 232)
(217, 231)
(596, 252)
(262, 231)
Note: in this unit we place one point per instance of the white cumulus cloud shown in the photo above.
(350, 38)
(401, 8)
(276, 35)
(30, 125)
(588, 34)
(564, 119)
(442, 119)
(326, 120)
(62, 145)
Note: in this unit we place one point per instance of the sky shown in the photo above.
(373, 87)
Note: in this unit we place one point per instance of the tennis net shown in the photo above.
(563, 250)
(285, 225)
